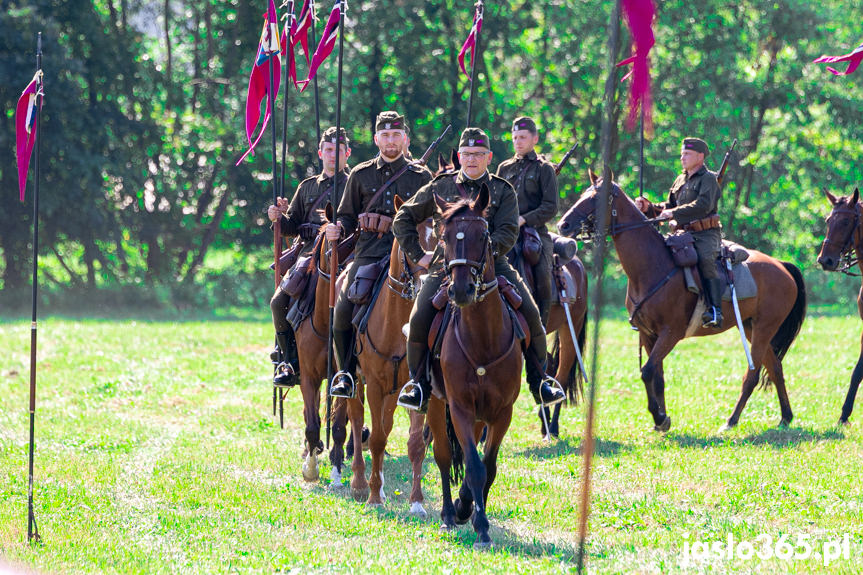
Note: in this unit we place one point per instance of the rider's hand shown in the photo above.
(642, 204)
(665, 215)
(425, 261)
(521, 221)
(281, 208)
(334, 232)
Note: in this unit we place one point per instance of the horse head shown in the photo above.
(467, 247)
(580, 219)
(843, 224)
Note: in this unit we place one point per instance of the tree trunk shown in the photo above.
(209, 236)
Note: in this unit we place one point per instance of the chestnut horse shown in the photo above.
(311, 336)
(480, 367)
(382, 348)
(844, 241)
(661, 306)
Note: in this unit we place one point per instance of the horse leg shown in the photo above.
(312, 416)
(359, 485)
(443, 457)
(760, 339)
(774, 372)
(337, 453)
(657, 347)
(381, 409)
(856, 376)
(492, 446)
(474, 472)
(416, 455)
(464, 503)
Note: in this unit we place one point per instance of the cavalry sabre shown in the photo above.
(564, 299)
(737, 313)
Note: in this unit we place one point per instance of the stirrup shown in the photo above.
(340, 377)
(285, 376)
(552, 384)
(715, 318)
(407, 388)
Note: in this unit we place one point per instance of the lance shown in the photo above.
(599, 267)
(32, 528)
(334, 257)
(476, 55)
(288, 27)
(317, 98)
(277, 228)
(641, 155)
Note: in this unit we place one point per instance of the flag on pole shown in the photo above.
(259, 80)
(25, 128)
(853, 58)
(288, 49)
(300, 31)
(326, 45)
(470, 42)
(639, 16)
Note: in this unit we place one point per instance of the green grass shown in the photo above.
(157, 453)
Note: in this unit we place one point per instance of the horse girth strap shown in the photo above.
(650, 294)
(480, 370)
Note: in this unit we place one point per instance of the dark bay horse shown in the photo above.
(480, 367)
(661, 306)
(311, 338)
(381, 355)
(844, 239)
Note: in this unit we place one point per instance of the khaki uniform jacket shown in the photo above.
(365, 180)
(307, 194)
(502, 214)
(693, 197)
(537, 189)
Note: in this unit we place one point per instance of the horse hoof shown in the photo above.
(359, 494)
(843, 423)
(417, 510)
(447, 528)
(664, 426)
(335, 476)
(310, 470)
(376, 505)
(482, 545)
(784, 424)
(460, 518)
(725, 427)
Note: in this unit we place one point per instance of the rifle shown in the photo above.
(721, 174)
(565, 159)
(428, 153)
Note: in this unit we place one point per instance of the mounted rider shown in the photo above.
(474, 156)
(364, 206)
(535, 185)
(692, 203)
(303, 217)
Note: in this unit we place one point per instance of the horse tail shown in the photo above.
(789, 329)
(456, 470)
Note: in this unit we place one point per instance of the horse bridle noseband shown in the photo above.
(614, 229)
(846, 250)
(477, 268)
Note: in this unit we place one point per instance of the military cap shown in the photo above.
(474, 137)
(390, 120)
(330, 136)
(524, 123)
(696, 145)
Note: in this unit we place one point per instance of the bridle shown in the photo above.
(588, 224)
(847, 257)
(477, 268)
(404, 285)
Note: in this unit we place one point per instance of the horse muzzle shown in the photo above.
(463, 296)
(828, 263)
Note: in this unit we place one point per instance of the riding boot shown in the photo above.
(343, 381)
(712, 317)
(288, 370)
(416, 392)
(544, 388)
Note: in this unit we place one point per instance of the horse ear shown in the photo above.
(398, 202)
(441, 163)
(830, 197)
(593, 177)
(855, 197)
(481, 201)
(442, 204)
(453, 158)
(328, 211)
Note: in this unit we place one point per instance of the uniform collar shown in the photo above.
(322, 177)
(462, 178)
(394, 165)
(529, 156)
(699, 172)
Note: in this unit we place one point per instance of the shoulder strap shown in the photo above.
(324, 194)
(461, 191)
(386, 185)
(521, 174)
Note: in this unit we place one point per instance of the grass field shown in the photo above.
(157, 453)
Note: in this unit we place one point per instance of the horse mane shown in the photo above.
(457, 208)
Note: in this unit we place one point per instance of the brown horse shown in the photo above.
(381, 356)
(844, 241)
(480, 366)
(311, 338)
(661, 306)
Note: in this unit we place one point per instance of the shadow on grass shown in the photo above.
(572, 446)
(778, 438)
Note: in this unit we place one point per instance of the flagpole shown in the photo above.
(598, 269)
(641, 161)
(476, 56)
(287, 98)
(32, 528)
(333, 194)
(312, 13)
(277, 228)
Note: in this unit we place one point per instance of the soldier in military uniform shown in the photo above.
(692, 203)
(374, 244)
(302, 217)
(535, 185)
(474, 155)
